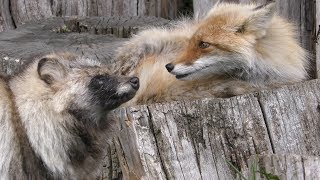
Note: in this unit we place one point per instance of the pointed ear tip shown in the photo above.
(272, 6)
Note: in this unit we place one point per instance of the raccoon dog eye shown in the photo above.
(203, 45)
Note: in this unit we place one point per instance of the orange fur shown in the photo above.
(245, 49)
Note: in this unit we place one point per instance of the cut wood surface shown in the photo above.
(195, 140)
(95, 37)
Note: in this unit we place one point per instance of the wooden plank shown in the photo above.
(6, 21)
(28, 10)
(20, 11)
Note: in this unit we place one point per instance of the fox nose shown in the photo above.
(170, 67)
(134, 82)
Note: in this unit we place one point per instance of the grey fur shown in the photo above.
(53, 125)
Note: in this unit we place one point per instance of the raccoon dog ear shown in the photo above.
(259, 20)
(50, 70)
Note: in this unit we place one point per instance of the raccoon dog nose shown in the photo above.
(169, 67)
(134, 82)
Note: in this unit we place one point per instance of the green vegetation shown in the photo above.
(254, 171)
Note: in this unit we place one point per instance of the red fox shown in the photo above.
(234, 50)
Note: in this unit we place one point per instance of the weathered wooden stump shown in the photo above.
(95, 37)
(195, 140)
(284, 167)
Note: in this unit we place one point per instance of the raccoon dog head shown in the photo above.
(83, 87)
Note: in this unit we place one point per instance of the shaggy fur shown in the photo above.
(234, 50)
(244, 41)
(54, 118)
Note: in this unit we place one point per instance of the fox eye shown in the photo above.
(203, 45)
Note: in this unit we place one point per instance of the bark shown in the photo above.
(197, 139)
(285, 166)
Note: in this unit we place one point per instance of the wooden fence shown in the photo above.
(15, 12)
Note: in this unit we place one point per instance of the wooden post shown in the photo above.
(317, 37)
(6, 21)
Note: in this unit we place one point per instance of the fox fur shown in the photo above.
(54, 117)
(234, 49)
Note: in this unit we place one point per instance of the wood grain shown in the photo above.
(287, 166)
(292, 117)
(95, 37)
(17, 12)
(196, 139)
(317, 38)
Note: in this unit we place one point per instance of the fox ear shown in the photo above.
(50, 70)
(259, 20)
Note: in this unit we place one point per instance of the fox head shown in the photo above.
(224, 43)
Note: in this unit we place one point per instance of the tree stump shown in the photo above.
(95, 37)
(285, 166)
(200, 139)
